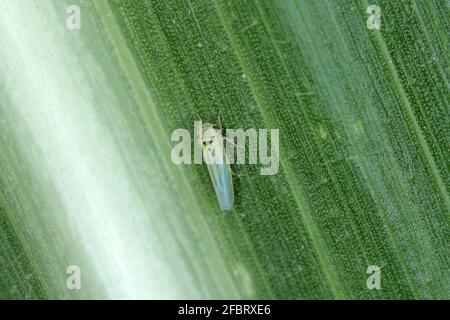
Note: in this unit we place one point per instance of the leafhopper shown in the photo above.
(211, 140)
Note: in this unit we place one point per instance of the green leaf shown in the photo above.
(86, 176)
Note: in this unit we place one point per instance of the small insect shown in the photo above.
(211, 140)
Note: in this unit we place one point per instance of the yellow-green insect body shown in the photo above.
(211, 141)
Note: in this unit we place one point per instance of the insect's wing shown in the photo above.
(223, 184)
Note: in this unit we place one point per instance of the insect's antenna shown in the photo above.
(199, 119)
(220, 121)
(198, 115)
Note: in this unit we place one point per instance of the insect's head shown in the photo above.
(208, 134)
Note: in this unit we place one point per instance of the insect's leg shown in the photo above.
(232, 142)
